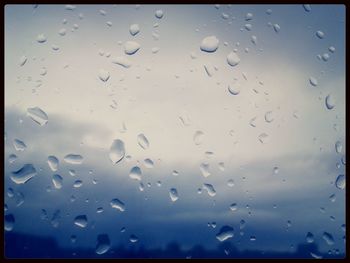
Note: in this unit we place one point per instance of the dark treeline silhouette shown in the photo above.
(29, 246)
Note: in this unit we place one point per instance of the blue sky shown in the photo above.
(273, 75)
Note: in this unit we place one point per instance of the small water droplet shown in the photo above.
(103, 75)
(331, 49)
(320, 34)
(340, 182)
(102, 12)
(268, 11)
(276, 27)
(204, 168)
(268, 116)
(234, 90)
(325, 57)
(55, 220)
(225, 233)
(109, 23)
(78, 183)
(175, 173)
(142, 141)
(131, 47)
(117, 204)
(41, 38)
(134, 29)
(122, 61)
(233, 59)
(221, 166)
(24, 174)
(117, 151)
(209, 44)
(53, 163)
(62, 31)
(248, 16)
(12, 158)
(103, 244)
(233, 207)
(230, 183)
(328, 238)
(19, 199)
(330, 102)
(133, 239)
(263, 137)
(22, 60)
(338, 147)
(309, 237)
(135, 173)
(173, 194)
(38, 115)
(159, 14)
(307, 8)
(198, 137)
(248, 27)
(81, 221)
(313, 81)
(73, 158)
(19, 145)
(57, 181)
(148, 163)
(210, 189)
(9, 222)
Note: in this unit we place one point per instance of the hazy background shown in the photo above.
(151, 95)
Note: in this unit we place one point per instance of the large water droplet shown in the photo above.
(313, 81)
(57, 181)
(131, 47)
(330, 102)
(9, 222)
(159, 14)
(73, 158)
(320, 34)
(41, 38)
(117, 151)
(134, 29)
(204, 168)
(53, 163)
(309, 237)
(142, 141)
(38, 115)
(19, 145)
(81, 221)
(24, 174)
(340, 182)
(103, 75)
(328, 238)
(148, 163)
(103, 244)
(209, 44)
(122, 61)
(210, 189)
(338, 147)
(117, 204)
(135, 173)
(173, 194)
(234, 90)
(198, 137)
(233, 59)
(22, 60)
(225, 233)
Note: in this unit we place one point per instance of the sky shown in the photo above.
(86, 114)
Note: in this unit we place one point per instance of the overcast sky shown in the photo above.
(152, 94)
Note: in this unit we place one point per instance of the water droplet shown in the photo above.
(309, 237)
(233, 59)
(234, 90)
(155, 50)
(159, 14)
(248, 27)
(122, 61)
(103, 75)
(320, 34)
(117, 204)
(173, 194)
(10, 192)
(209, 44)
(38, 115)
(70, 7)
(252, 238)
(62, 31)
(141, 187)
(313, 81)
(330, 102)
(209, 69)
(19, 145)
(254, 39)
(328, 238)
(99, 210)
(131, 47)
(133, 239)
(24, 174)
(225, 233)
(248, 16)
(134, 29)
(221, 166)
(332, 198)
(263, 137)
(9, 222)
(325, 57)
(210, 189)
(57, 181)
(268, 117)
(73, 158)
(102, 12)
(55, 220)
(19, 199)
(338, 147)
(307, 8)
(55, 47)
(198, 137)
(109, 23)
(233, 207)
(12, 158)
(41, 38)
(117, 151)
(81, 221)
(78, 183)
(22, 60)
(148, 163)
(331, 49)
(276, 27)
(340, 182)
(268, 11)
(53, 163)
(142, 141)
(230, 183)
(103, 244)
(275, 170)
(175, 173)
(204, 168)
